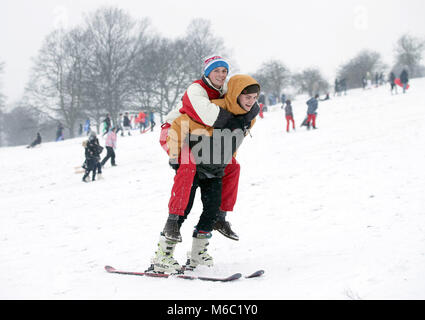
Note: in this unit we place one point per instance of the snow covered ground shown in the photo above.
(333, 213)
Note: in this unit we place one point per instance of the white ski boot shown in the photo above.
(198, 255)
(163, 261)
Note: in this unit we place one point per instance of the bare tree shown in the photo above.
(201, 43)
(116, 42)
(162, 75)
(311, 81)
(176, 73)
(55, 87)
(408, 53)
(357, 68)
(273, 77)
(159, 76)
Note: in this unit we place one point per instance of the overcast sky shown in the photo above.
(300, 33)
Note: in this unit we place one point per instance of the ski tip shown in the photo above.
(109, 268)
(255, 274)
(235, 276)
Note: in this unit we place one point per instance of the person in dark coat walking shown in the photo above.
(126, 123)
(392, 82)
(404, 79)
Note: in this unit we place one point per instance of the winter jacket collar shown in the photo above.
(208, 82)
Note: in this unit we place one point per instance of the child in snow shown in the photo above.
(111, 145)
(92, 154)
(289, 115)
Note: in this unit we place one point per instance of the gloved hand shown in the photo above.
(243, 121)
(237, 122)
(174, 164)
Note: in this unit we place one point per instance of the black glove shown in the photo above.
(243, 121)
(174, 165)
(237, 122)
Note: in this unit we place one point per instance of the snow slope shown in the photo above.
(333, 213)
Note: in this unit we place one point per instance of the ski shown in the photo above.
(179, 276)
(256, 274)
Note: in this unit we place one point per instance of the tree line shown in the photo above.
(113, 63)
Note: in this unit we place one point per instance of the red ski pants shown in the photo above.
(288, 119)
(311, 118)
(183, 180)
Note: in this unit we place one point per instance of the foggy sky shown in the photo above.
(300, 33)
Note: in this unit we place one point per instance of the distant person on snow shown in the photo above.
(336, 88)
(152, 119)
(92, 154)
(106, 124)
(126, 124)
(312, 104)
(404, 79)
(111, 145)
(87, 128)
(326, 97)
(141, 119)
(289, 115)
(368, 80)
(392, 82)
(120, 124)
(36, 141)
(59, 132)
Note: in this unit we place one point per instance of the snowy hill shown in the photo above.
(333, 213)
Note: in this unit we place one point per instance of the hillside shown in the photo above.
(333, 213)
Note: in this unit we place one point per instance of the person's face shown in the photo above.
(218, 76)
(246, 101)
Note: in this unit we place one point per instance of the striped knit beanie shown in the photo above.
(213, 62)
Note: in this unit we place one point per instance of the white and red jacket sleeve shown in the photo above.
(197, 105)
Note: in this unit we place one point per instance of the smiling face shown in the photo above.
(246, 101)
(218, 77)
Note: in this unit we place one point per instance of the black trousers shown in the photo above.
(91, 166)
(110, 153)
(211, 201)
